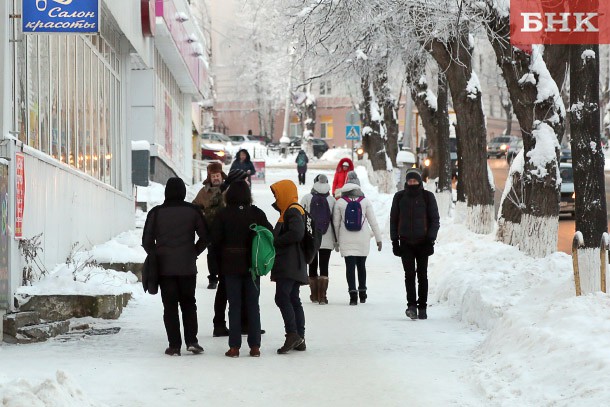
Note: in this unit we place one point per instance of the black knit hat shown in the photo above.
(234, 175)
(413, 173)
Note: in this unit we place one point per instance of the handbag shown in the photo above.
(150, 272)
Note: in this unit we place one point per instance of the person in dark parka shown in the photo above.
(231, 233)
(170, 231)
(414, 225)
(290, 269)
(242, 162)
(302, 161)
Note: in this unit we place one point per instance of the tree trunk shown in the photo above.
(389, 106)
(426, 102)
(309, 123)
(455, 59)
(444, 148)
(530, 209)
(588, 158)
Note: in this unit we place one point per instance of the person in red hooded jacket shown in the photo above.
(345, 165)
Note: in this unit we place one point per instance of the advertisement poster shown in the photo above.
(19, 194)
(259, 166)
(4, 294)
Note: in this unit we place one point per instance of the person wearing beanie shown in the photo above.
(169, 234)
(345, 165)
(414, 225)
(302, 161)
(234, 175)
(320, 204)
(232, 235)
(354, 234)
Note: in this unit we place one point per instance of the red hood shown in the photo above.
(345, 160)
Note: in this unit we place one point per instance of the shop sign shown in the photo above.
(19, 194)
(61, 16)
(4, 237)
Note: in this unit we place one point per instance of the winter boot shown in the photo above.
(411, 312)
(353, 298)
(232, 353)
(292, 341)
(363, 296)
(220, 330)
(172, 351)
(322, 288)
(313, 286)
(255, 352)
(302, 346)
(421, 313)
(195, 348)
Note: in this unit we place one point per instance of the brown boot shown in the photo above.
(313, 286)
(322, 288)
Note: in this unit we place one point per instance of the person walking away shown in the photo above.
(414, 224)
(320, 206)
(354, 218)
(209, 199)
(289, 271)
(232, 236)
(242, 162)
(302, 160)
(343, 168)
(169, 232)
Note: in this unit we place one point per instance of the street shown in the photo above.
(567, 226)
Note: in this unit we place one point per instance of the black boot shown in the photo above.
(363, 296)
(353, 298)
(220, 330)
(292, 341)
(411, 312)
(421, 313)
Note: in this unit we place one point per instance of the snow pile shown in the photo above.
(154, 194)
(335, 155)
(474, 86)
(124, 248)
(140, 145)
(545, 151)
(60, 391)
(80, 278)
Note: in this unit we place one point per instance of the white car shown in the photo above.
(244, 138)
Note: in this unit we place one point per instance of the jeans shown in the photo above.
(351, 263)
(289, 303)
(324, 256)
(239, 287)
(409, 257)
(179, 290)
(220, 306)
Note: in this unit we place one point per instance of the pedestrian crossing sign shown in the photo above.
(352, 133)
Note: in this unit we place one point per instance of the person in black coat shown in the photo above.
(232, 235)
(290, 268)
(242, 162)
(414, 224)
(169, 232)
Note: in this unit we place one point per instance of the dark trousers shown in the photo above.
(242, 291)
(220, 306)
(289, 303)
(351, 264)
(179, 290)
(212, 264)
(301, 178)
(324, 258)
(409, 257)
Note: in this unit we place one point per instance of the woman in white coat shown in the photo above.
(354, 234)
(320, 204)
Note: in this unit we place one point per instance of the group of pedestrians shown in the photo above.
(221, 216)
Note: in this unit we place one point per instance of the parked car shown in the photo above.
(245, 138)
(214, 147)
(498, 146)
(513, 149)
(319, 146)
(566, 154)
(568, 197)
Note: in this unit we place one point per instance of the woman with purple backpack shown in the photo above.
(353, 219)
(319, 203)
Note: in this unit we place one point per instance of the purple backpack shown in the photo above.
(320, 212)
(353, 214)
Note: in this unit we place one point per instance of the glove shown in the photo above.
(378, 246)
(396, 248)
(336, 246)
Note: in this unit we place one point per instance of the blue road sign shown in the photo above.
(61, 16)
(352, 133)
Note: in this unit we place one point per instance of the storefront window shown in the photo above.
(45, 92)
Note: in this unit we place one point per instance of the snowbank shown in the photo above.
(124, 248)
(60, 391)
(336, 154)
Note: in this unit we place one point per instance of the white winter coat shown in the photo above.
(355, 243)
(328, 239)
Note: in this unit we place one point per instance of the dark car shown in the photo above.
(568, 197)
(319, 146)
(498, 146)
(513, 149)
(566, 154)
